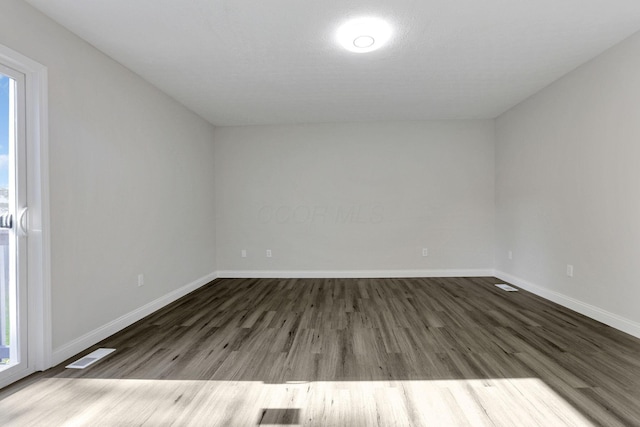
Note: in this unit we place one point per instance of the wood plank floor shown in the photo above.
(347, 352)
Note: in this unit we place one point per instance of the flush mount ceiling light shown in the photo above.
(364, 34)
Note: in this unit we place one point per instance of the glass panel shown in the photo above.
(7, 292)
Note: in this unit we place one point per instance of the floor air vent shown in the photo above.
(507, 288)
(91, 358)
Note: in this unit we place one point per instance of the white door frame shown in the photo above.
(39, 252)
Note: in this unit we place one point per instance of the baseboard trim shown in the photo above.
(349, 274)
(87, 340)
(596, 313)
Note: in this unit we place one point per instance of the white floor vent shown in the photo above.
(91, 358)
(507, 288)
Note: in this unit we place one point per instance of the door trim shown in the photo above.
(39, 249)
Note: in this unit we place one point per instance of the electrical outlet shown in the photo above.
(268, 253)
(140, 279)
(425, 252)
(569, 270)
(510, 254)
(243, 253)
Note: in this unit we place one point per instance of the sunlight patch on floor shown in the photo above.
(108, 402)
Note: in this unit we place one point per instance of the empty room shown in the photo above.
(337, 213)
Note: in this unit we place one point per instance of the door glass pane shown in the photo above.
(7, 292)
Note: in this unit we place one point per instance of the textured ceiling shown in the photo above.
(239, 62)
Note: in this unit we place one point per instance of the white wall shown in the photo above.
(130, 180)
(136, 182)
(364, 197)
(568, 174)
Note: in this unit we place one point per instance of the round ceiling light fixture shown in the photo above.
(364, 34)
(363, 42)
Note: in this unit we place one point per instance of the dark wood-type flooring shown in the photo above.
(347, 352)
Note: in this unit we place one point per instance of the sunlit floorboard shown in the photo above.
(104, 402)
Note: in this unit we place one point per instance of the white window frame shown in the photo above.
(39, 252)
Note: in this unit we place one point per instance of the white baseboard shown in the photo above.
(596, 313)
(350, 274)
(82, 343)
(87, 340)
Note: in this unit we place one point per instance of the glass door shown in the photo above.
(13, 298)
